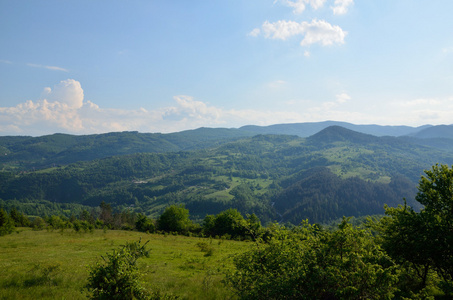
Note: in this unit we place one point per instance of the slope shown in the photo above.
(278, 177)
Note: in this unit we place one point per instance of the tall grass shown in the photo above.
(54, 265)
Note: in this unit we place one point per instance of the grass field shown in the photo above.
(54, 265)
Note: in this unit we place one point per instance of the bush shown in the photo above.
(117, 275)
(310, 263)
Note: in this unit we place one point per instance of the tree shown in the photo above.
(229, 222)
(310, 263)
(6, 223)
(175, 218)
(436, 194)
(423, 240)
(19, 218)
(106, 214)
(144, 224)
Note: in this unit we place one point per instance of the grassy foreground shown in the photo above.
(54, 265)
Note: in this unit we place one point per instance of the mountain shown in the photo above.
(439, 131)
(337, 133)
(25, 153)
(310, 128)
(58, 149)
(332, 173)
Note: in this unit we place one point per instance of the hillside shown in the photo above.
(333, 173)
(24, 153)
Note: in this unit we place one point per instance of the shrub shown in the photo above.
(117, 275)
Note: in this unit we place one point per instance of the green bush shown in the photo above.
(310, 263)
(117, 275)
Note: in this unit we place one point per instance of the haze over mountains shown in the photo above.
(308, 129)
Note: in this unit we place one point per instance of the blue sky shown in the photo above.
(85, 67)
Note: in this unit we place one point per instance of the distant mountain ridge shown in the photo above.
(337, 133)
(309, 128)
(25, 152)
(439, 131)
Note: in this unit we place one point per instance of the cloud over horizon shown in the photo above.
(64, 109)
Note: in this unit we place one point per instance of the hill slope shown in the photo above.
(278, 177)
(58, 149)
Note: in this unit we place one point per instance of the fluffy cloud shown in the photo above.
(68, 92)
(323, 33)
(340, 7)
(63, 109)
(317, 31)
(300, 5)
(343, 97)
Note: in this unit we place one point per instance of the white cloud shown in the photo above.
(68, 92)
(341, 6)
(343, 97)
(255, 32)
(340, 99)
(324, 33)
(53, 68)
(282, 29)
(65, 110)
(317, 31)
(300, 5)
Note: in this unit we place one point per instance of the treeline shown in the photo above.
(228, 224)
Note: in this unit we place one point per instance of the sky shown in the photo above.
(86, 67)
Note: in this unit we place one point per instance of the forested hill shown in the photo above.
(37, 152)
(333, 173)
(25, 153)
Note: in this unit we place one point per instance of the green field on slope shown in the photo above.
(54, 264)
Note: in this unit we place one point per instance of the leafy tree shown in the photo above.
(38, 223)
(423, 240)
(436, 194)
(106, 214)
(117, 275)
(309, 263)
(6, 223)
(175, 218)
(144, 224)
(19, 218)
(229, 222)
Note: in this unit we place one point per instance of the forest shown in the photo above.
(334, 173)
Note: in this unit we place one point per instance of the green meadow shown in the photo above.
(55, 264)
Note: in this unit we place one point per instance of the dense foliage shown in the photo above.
(311, 263)
(422, 241)
(117, 275)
